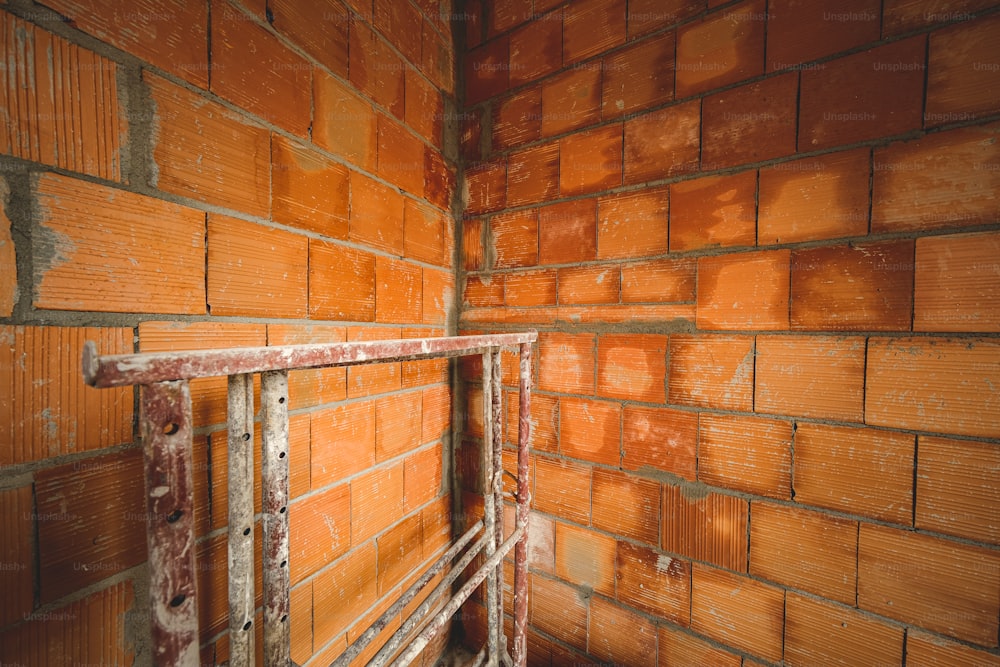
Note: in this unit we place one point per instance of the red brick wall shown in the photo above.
(183, 174)
(759, 240)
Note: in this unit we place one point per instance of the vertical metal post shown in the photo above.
(167, 441)
(497, 445)
(493, 619)
(240, 482)
(274, 418)
(520, 649)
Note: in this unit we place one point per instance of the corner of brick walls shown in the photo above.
(213, 174)
(761, 243)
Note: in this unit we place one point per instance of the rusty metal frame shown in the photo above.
(167, 434)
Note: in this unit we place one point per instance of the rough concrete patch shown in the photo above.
(690, 490)
(139, 107)
(9, 292)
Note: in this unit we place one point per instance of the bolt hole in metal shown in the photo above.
(246, 437)
(282, 510)
(281, 455)
(281, 400)
(246, 531)
(284, 618)
(175, 515)
(178, 600)
(171, 428)
(284, 563)
(247, 625)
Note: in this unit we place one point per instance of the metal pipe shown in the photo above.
(497, 489)
(167, 441)
(520, 648)
(489, 506)
(274, 482)
(240, 539)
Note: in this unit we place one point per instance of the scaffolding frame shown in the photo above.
(166, 430)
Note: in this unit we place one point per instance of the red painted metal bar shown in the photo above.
(122, 370)
(497, 489)
(274, 482)
(167, 438)
(520, 648)
(240, 537)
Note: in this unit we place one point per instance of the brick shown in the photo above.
(400, 156)
(567, 232)
(39, 418)
(752, 123)
(810, 376)
(397, 425)
(96, 257)
(76, 632)
(487, 186)
(639, 77)
(399, 552)
(396, 21)
(555, 609)
(957, 283)
(648, 15)
(439, 296)
(544, 422)
(562, 488)
(591, 27)
(823, 197)
(933, 384)
(853, 287)
(273, 85)
(320, 29)
(737, 611)
(590, 161)
(422, 476)
(632, 367)
(343, 122)
(943, 586)
(571, 100)
(533, 175)
(208, 395)
(424, 107)
(341, 593)
(473, 250)
(16, 544)
(723, 48)
(438, 58)
(821, 559)
(398, 291)
(375, 69)
(533, 288)
(516, 120)
(663, 143)
(626, 505)
(818, 632)
(656, 440)
(711, 371)
(654, 583)
(887, 85)
(747, 454)
(424, 233)
(926, 649)
(914, 185)
(208, 155)
(633, 224)
(956, 488)
(255, 271)
(962, 70)
(341, 283)
(487, 70)
(483, 291)
(90, 522)
(503, 17)
(590, 430)
(716, 211)
(376, 214)
(440, 179)
(436, 412)
(308, 191)
(585, 558)
(858, 471)
(705, 526)
(515, 239)
(620, 636)
(899, 16)
(675, 647)
(376, 501)
(799, 33)
(352, 428)
(589, 284)
(377, 378)
(566, 362)
(744, 290)
(170, 35)
(52, 114)
(320, 530)
(425, 371)
(659, 281)
(536, 48)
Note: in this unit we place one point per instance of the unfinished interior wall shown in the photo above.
(195, 174)
(759, 240)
